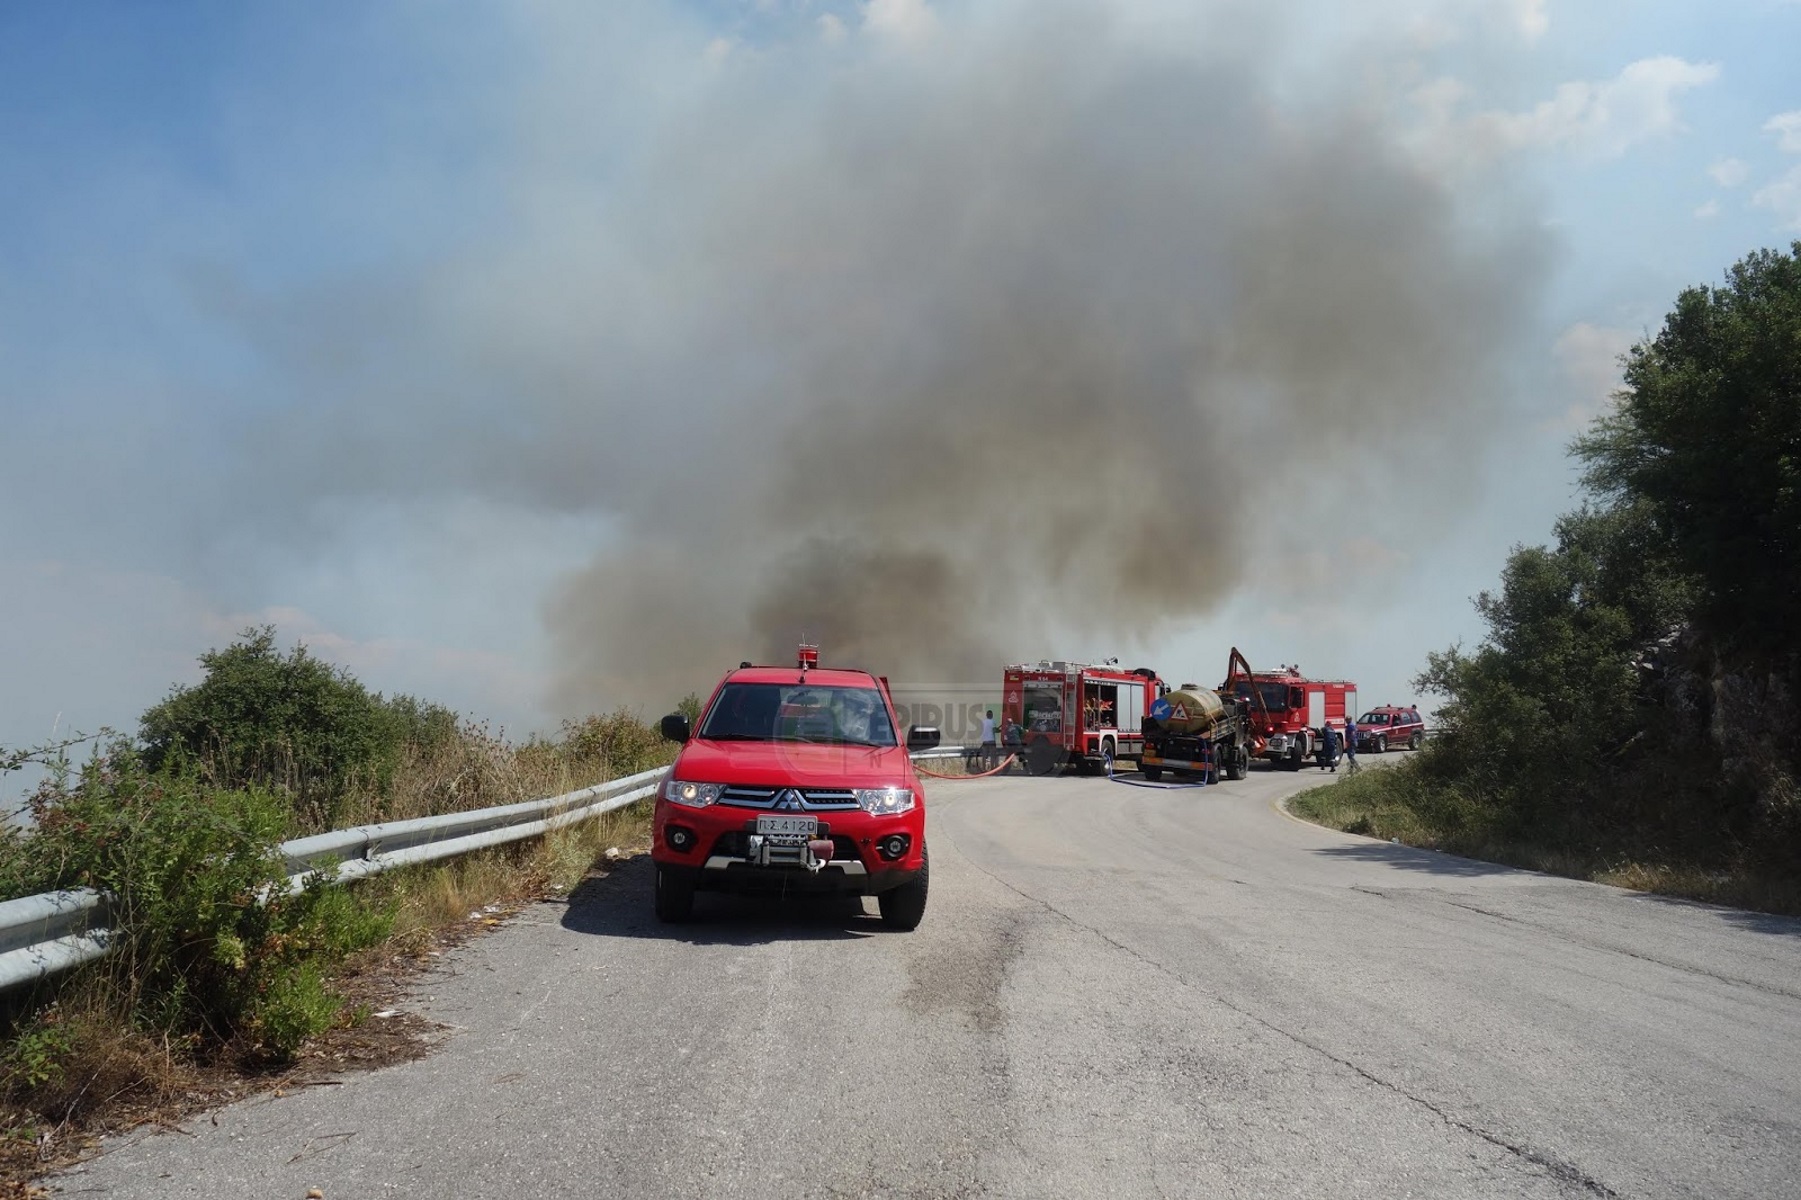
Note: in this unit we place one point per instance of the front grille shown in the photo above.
(736, 844)
(811, 799)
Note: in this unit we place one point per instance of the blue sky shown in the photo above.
(394, 328)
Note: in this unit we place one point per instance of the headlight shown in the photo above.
(692, 795)
(885, 801)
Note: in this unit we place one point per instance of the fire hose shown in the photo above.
(1005, 763)
(1156, 787)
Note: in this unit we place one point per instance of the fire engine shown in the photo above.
(1289, 712)
(1057, 712)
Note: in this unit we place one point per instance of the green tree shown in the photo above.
(1707, 438)
(1541, 712)
(286, 721)
(1557, 722)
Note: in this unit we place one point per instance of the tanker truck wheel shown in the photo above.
(1239, 764)
(1041, 757)
(1152, 773)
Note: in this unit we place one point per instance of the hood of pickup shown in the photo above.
(794, 764)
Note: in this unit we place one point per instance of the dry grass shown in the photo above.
(429, 898)
(1392, 806)
(103, 1076)
(1733, 889)
(481, 769)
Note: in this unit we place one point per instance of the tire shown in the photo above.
(1041, 757)
(905, 906)
(1416, 741)
(1151, 773)
(675, 895)
(1295, 759)
(1239, 764)
(1107, 757)
(1382, 744)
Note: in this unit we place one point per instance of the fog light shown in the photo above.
(679, 838)
(893, 847)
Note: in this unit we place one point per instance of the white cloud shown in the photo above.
(1531, 18)
(1787, 128)
(1708, 211)
(1604, 119)
(718, 49)
(1782, 196)
(831, 27)
(908, 20)
(1729, 172)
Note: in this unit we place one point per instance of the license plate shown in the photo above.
(788, 827)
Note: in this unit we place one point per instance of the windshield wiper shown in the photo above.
(734, 737)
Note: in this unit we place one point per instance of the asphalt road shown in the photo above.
(1116, 991)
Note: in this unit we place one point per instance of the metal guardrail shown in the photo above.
(45, 934)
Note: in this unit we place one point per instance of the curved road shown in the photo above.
(1117, 991)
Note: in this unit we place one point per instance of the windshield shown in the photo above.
(1373, 718)
(785, 712)
(1275, 695)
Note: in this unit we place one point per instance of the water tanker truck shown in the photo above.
(1194, 731)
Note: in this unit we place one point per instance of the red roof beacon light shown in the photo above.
(809, 657)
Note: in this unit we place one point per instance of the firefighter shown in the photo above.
(1350, 742)
(990, 756)
(1330, 761)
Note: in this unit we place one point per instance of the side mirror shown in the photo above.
(675, 727)
(922, 737)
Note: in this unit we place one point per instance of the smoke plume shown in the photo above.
(1025, 331)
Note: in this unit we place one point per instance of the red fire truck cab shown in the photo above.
(1289, 712)
(1057, 712)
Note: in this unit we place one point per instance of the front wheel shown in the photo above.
(905, 906)
(675, 895)
(1382, 745)
(1238, 763)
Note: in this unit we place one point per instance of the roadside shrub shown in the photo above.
(289, 722)
(210, 948)
(619, 742)
(295, 1006)
(38, 1055)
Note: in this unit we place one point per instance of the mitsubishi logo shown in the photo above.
(788, 799)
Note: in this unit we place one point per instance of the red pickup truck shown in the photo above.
(793, 779)
(1389, 728)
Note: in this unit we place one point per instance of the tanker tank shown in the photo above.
(1192, 710)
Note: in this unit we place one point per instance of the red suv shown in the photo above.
(793, 780)
(1389, 728)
